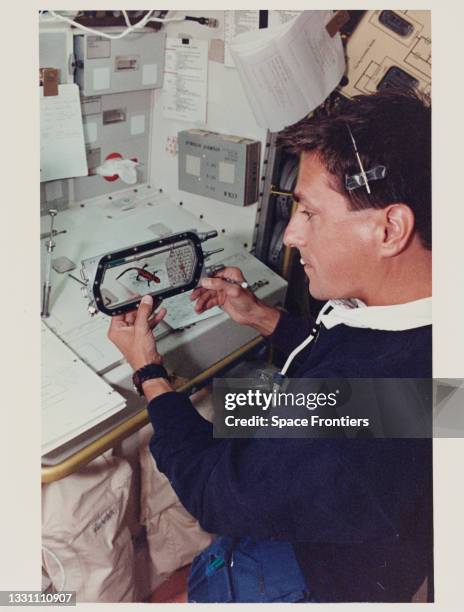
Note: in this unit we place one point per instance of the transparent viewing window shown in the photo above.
(161, 268)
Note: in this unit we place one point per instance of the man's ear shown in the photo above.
(398, 222)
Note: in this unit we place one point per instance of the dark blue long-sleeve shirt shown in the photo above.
(358, 512)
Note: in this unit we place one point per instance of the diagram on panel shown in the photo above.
(389, 49)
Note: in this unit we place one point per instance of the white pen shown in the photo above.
(211, 271)
(242, 284)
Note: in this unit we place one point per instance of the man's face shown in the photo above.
(337, 245)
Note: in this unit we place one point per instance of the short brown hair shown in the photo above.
(391, 128)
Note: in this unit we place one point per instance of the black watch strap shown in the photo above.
(147, 372)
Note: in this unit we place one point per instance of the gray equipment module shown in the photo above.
(107, 66)
(219, 166)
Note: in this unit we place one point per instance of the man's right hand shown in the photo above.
(240, 304)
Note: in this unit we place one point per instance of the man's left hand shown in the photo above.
(132, 334)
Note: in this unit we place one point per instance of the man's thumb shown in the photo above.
(144, 311)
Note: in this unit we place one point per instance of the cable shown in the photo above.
(79, 26)
(207, 21)
(295, 352)
(305, 343)
(83, 28)
(131, 28)
(44, 15)
(60, 565)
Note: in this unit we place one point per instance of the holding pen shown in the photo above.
(243, 284)
(229, 290)
(211, 271)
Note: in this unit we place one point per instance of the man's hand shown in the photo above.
(240, 304)
(132, 333)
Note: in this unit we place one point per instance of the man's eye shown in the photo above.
(307, 214)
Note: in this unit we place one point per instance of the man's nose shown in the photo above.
(291, 235)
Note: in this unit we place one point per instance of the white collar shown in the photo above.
(396, 317)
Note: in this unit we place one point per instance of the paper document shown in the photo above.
(181, 311)
(62, 148)
(277, 18)
(235, 23)
(185, 85)
(74, 398)
(289, 70)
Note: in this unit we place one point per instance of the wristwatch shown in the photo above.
(147, 372)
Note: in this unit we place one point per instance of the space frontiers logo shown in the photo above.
(255, 398)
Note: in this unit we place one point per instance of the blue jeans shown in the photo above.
(247, 570)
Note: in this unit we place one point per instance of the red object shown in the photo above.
(115, 156)
(115, 176)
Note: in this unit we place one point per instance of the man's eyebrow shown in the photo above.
(300, 198)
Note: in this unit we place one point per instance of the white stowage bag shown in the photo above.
(83, 526)
(125, 169)
(174, 536)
